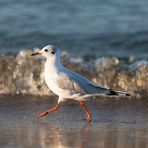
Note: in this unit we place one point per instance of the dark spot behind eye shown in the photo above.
(46, 50)
(53, 52)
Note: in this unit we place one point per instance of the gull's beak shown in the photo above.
(36, 53)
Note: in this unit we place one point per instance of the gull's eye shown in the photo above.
(46, 50)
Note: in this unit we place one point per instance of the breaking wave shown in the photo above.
(23, 74)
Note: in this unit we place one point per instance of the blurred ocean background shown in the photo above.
(107, 41)
(110, 27)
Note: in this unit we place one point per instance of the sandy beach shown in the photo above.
(116, 123)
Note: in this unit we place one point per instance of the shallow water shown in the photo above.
(116, 122)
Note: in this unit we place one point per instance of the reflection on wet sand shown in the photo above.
(64, 128)
(102, 135)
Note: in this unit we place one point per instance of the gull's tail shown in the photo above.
(117, 93)
(102, 90)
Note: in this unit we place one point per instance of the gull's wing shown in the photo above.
(72, 81)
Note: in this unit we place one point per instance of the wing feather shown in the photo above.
(64, 81)
(75, 82)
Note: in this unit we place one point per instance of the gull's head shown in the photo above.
(49, 51)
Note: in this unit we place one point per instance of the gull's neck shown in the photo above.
(53, 64)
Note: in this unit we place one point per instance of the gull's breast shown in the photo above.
(51, 82)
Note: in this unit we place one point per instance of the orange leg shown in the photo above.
(86, 110)
(48, 111)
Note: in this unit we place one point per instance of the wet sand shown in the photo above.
(116, 123)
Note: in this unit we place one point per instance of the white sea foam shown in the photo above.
(24, 75)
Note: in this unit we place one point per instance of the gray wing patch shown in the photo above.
(87, 86)
(66, 82)
(78, 83)
(99, 89)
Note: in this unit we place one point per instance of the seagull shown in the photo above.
(68, 84)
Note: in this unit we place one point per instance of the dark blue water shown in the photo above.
(110, 27)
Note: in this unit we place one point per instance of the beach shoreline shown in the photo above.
(121, 122)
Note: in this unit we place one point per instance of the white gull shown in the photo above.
(68, 84)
